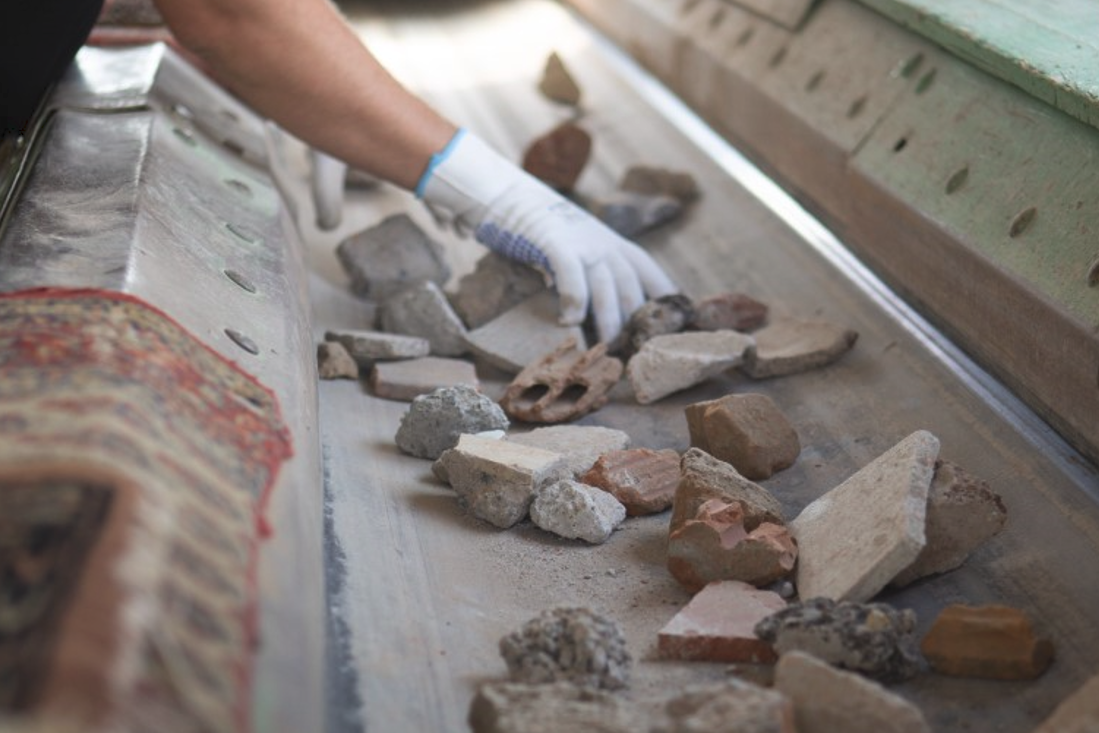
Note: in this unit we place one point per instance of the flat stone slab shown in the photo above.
(856, 538)
(581, 445)
(410, 378)
(576, 511)
(367, 347)
(422, 309)
(333, 362)
(523, 334)
(718, 625)
(989, 642)
(672, 362)
(496, 285)
(383, 258)
(643, 480)
(789, 345)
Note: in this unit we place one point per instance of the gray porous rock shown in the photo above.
(577, 511)
(872, 638)
(435, 421)
(568, 644)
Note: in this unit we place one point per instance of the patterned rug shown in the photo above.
(134, 467)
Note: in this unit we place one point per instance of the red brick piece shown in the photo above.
(990, 642)
(643, 480)
(717, 625)
(558, 157)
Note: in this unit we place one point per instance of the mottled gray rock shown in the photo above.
(581, 445)
(872, 638)
(669, 363)
(421, 309)
(703, 477)
(660, 181)
(523, 334)
(367, 347)
(496, 285)
(434, 421)
(631, 214)
(557, 83)
(789, 345)
(568, 644)
(333, 362)
(385, 257)
(577, 511)
(511, 707)
(728, 707)
(667, 314)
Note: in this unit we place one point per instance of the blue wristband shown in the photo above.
(437, 160)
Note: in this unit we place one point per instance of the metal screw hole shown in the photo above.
(910, 65)
(1022, 222)
(957, 180)
(186, 136)
(242, 341)
(240, 280)
(242, 233)
(745, 36)
(778, 58)
(239, 186)
(900, 145)
(814, 81)
(856, 108)
(925, 82)
(233, 147)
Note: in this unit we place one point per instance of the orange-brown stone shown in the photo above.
(558, 157)
(991, 642)
(643, 480)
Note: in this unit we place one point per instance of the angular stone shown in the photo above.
(557, 83)
(574, 645)
(408, 379)
(990, 642)
(789, 345)
(729, 707)
(497, 479)
(747, 431)
(496, 284)
(734, 311)
(660, 182)
(715, 546)
(718, 625)
(631, 214)
(510, 707)
(385, 257)
(421, 309)
(1078, 713)
(558, 157)
(667, 314)
(523, 334)
(435, 421)
(367, 347)
(643, 480)
(576, 511)
(962, 513)
(856, 538)
(872, 638)
(333, 362)
(828, 700)
(669, 363)
(703, 477)
(564, 385)
(580, 445)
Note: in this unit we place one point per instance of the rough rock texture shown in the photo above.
(568, 644)
(991, 642)
(434, 421)
(872, 638)
(564, 385)
(496, 284)
(718, 625)
(734, 311)
(333, 362)
(962, 513)
(715, 546)
(664, 315)
(557, 83)
(523, 334)
(385, 257)
(660, 182)
(729, 707)
(1078, 713)
(631, 214)
(581, 445)
(747, 431)
(408, 379)
(421, 309)
(856, 538)
(497, 479)
(703, 477)
(643, 480)
(367, 347)
(669, 363)
(510, 707)
(829, 700)
(576, 511)
(790, 345)
(558, 157)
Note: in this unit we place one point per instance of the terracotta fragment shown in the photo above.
(990, 642)
(703, 477)
(729, 310)
(558, 157)
(643, 480)
(747, 431)
(565, 384)
(557, 83)
(333, 362)
(410, 378)
(789, 345)
(718, 625)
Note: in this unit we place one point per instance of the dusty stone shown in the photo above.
(962, 513)
(385, 257)
(718, 625)
(421, 309)
(568, 644)
(747, 431)
(660, 182)
(789, 345)
(509, 707)
(333, 362)
(703, 477)
(664, 315)
(576, 511)
(872, 638)
(367, 347)
(715, 546)
(496, 284)
(565, 384)
(1078, 713)
(558, 157)
(856, 538)
(557, 83)
(990, 642)
(408, 379)
(631, 214)
(435, 421)
(523, 334)
(643, 480)
(828, 700)
(729, 707)
(734, 311)
(581, 445)
(669, 363)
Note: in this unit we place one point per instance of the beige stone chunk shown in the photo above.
(511, 707)
(747, 431)
(557, 83)
(643, 480)
(672, 362)
(718, 625)
(703, 477)
(408, 379)
(523, 334)
(856, 538)
(333, 362)
(367, 347)
(829, 700)
(564, 385)
(1078, 713)
(581, 445)
(730, 707)
(789, 345)
(990, 642)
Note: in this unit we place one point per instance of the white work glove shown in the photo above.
(518, 216)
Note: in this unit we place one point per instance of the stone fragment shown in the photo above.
(496, 284)
(827, 700)
(384, 257)
(523, 334)
(715, 546)
(990, 642)
(408, 379)
(510, 707)
(573, 645)
(718, 625)
(747, 431)
(654, 181)
(1078, 713)
(367, 347)
(557, 83)
(856, 538)
(333, 362)
(580, 445)
(962, 513)
(728, 707)
(667, 314)
(734, 311)
(789, 345)
(669, 363)
(421, 309)
(631, 214)
(434, 421)
(563, 385)
(872, 638)
(703, 477)
(558, 157)
(643, 480)
(576, 511)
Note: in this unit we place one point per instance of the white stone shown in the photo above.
(577, 511)
(582, 445)
(671, 362)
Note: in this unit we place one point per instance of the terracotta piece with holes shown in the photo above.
(563, 385)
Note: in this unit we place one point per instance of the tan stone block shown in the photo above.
(750, 432)
(703, 477)
(406, 380)
(718, 625)
(991, 642)
(557, 83)
(789, 345)
(643, 480)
